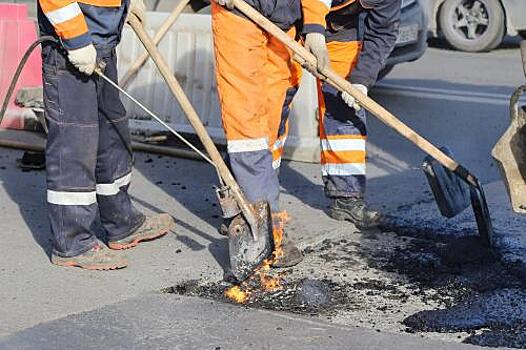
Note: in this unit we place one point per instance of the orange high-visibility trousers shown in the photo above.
(256, 81)
(343, 130)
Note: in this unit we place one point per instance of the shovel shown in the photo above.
(510, 150)
(452, 173)
(250, 234)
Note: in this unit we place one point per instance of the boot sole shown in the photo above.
(136, 241)
(90, 267)
(344, 216)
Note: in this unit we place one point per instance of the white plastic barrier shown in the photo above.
(188, 49)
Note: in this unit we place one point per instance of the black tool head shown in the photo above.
(482, 216)
(247, 250)
(451, 192)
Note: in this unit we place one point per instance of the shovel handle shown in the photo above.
(194, 120)
(163, 29)
(523, 55)
(307, 60)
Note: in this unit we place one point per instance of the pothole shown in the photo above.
(454, 289)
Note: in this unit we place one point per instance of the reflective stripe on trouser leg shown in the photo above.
(71, 154)
(254, 173)
(343, 131)
(118, 215)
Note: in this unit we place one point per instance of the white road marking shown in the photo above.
(498, 99)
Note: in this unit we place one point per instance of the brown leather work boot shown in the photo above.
(153, 227)
(97, 258)
(286, 254)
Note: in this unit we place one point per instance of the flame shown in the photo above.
(237, 295)
(269, 283)
(261, 279)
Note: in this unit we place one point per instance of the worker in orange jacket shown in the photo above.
(88, 152)
(256, 81)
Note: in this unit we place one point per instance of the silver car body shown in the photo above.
(514, 10)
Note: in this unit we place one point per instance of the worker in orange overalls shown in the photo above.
(256, 80)
(88, 152)
(360, 35)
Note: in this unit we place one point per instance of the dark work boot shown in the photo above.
(153, 227)
(286, 254)
(355, 210)
(97, 258)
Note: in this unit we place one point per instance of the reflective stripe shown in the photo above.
(276, 164)
(71, 198)
(64, 14)
(280, 143)
(343, 145)
(251, 145)
(113, 188)
(343, 169)
(327, 3)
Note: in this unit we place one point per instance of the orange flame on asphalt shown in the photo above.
(237, 295)
(240, 294)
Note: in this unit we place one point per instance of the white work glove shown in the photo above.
(351, 101)
(315, 44)
(229, 4)
(137, 8)
(84, 59)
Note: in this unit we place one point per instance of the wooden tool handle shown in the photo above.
(163, 29)
(306, 59)
(194, 120)
(523, 54)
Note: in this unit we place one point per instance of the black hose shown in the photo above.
(19, 69)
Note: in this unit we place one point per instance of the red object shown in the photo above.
(17, 33)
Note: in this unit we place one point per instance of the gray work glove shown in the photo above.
(315, 44)
(351, 101)
(229, 4)
(84, 59)
(137, 8)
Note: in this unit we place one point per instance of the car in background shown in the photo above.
(411, 43)
(476, 25)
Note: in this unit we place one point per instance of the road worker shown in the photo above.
(360, 35)
(256, 80)
(88, 153)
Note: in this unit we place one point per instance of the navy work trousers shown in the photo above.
(88, 156)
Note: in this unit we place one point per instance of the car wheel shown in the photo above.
(386, 70)
(472, 25)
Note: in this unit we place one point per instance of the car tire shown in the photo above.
(383, 73)
(472, 25)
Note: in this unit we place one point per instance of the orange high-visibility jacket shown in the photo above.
(79, 23)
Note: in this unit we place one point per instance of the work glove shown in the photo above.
(137, 8)
(315, 44)
(84, 59)
(351, 101)
(229, 4)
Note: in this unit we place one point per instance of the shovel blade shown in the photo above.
(482, 216)
(451, 193)
(510, 155)
(247, 249)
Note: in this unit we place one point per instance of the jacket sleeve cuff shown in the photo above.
(77, 42)
(313, 28)
(358, 79)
